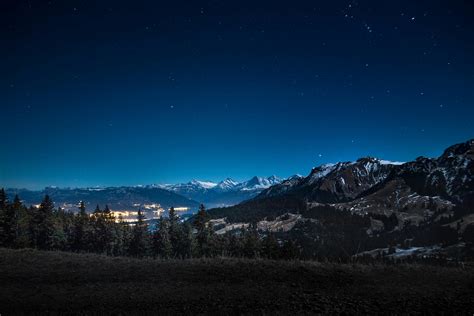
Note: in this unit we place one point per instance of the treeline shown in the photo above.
(49, 228)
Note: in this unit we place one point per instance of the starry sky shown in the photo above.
(138, 92)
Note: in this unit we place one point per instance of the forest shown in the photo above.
(324, 234)
(49, 228)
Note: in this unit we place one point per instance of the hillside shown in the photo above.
(34, 281)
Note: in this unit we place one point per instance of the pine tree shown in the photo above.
(189, 242)
(271, 248)
(99, 231)
(175, 233)
(289, 250)
(97, 209)
(125, 236)
(204, 231)
(119, 248)
(3, 199)
(110, 231)
(4, 221)
(139, 242)
(235, 247)
(22, 229)
(201, 219)
(43, 224)
(80, 229)
(173, 217)
(62, 229)
(251, 242)
(103, 223)
(109, 216)
(162, 246)
(8, 220)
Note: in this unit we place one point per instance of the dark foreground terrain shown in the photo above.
(34, 281)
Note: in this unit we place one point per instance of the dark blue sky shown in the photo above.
(136, 92)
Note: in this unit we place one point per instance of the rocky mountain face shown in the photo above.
(371, 184)
(426, 198)
(339, 182)
(450, 176)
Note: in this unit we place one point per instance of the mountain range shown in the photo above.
(150, 197)
(422, 198)
(225, 193)
(375, 185)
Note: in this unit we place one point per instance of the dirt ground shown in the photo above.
(33, 281)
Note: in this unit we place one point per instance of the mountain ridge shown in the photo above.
(190, 194)
(412, 190)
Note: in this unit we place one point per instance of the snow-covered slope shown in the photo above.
(258, 183)
(226, 185)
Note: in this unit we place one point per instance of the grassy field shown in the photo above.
(34, 281)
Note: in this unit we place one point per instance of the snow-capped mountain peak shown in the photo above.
(274, 180)
(259, 183)
(226, 185)
(389, 162)
(203, 184)
(322, 171)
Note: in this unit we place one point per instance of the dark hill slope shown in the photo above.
(58, 283)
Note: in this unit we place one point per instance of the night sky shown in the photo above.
(132, 92)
